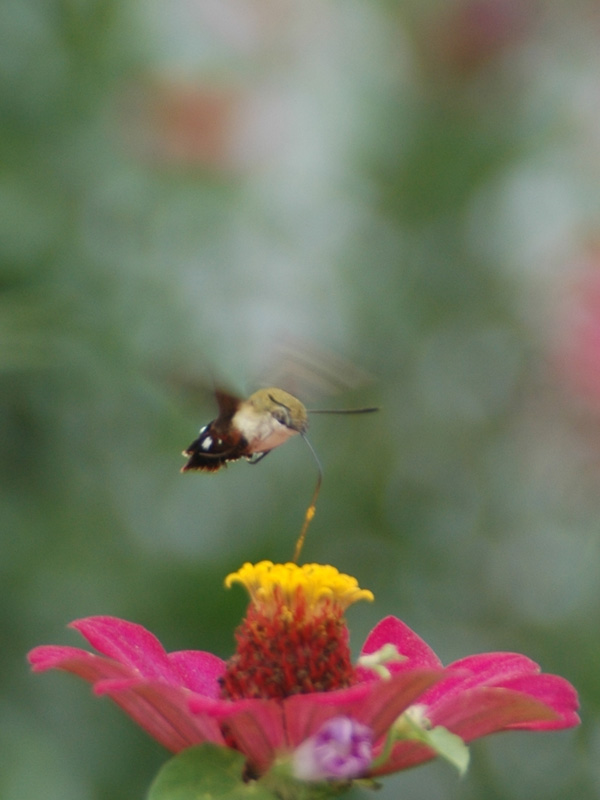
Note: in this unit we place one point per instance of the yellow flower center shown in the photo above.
(272, 585)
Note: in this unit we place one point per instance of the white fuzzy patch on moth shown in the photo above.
(261, 430)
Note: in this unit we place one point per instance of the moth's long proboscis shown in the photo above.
(310, 511)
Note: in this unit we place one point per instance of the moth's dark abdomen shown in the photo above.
(212, 450)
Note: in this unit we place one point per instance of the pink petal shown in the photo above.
(163, 711)
(486, 669)
(484, 710)
(374, 703)
(257, 725)
(404, 755)
(128, 643)
(160, 709)
(88, 666)
(391, 630)
(496, 666)
(553, 691)
(258, 729)
(198, 671)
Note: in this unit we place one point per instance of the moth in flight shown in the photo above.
(251, 428)
(246, 429)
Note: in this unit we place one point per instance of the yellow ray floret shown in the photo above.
(269, 584)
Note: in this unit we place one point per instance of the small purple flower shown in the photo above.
(341, 749)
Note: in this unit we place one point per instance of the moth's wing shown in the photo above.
(308, 371)
(228, 404)
(194, 388)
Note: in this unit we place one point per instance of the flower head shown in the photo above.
(293, 639)
(291, 688)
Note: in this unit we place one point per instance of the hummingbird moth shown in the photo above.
(250, 429)
(246, 429)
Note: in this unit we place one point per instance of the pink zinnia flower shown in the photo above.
(292, 682)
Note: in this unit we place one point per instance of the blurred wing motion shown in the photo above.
(310, 371)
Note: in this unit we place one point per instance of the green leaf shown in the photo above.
(414, 725)
(448, 746)
(206, 772)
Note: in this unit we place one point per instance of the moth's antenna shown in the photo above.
(342, 410)
(310, 511)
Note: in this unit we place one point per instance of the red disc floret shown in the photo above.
(294, 651)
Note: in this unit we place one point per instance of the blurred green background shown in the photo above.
(413, 186)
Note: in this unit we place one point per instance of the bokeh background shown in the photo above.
(185, 187)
